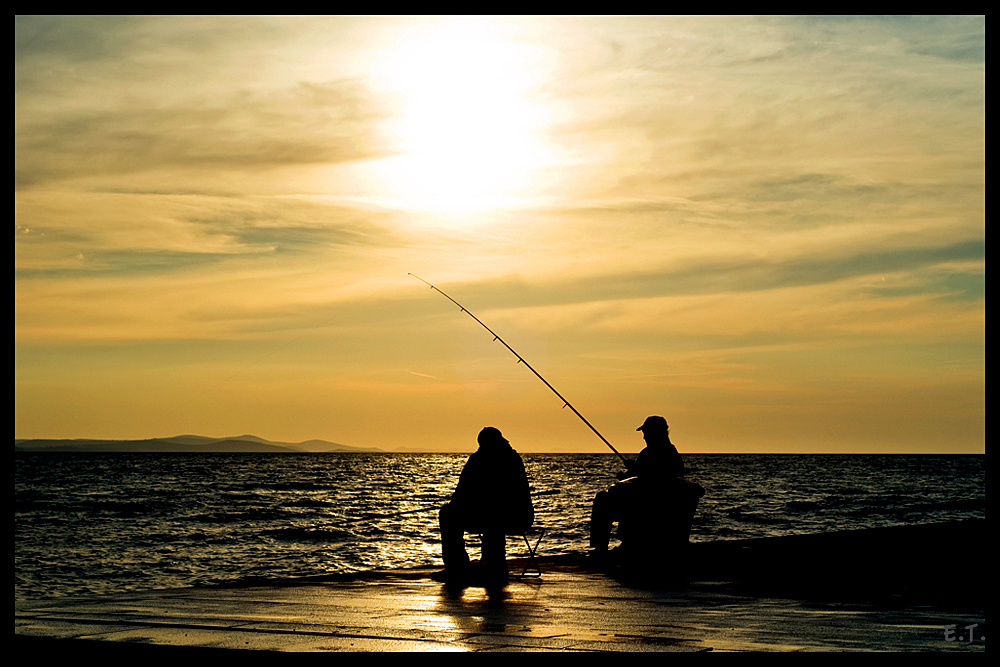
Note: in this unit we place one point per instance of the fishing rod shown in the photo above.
(520, 360)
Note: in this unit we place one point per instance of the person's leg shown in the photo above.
(456, 559)
(494, 556)
(601, 518)
(627, 504)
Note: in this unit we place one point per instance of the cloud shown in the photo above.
(59, 54)
(960, 38)
(67, 39)
(729, 275)
(307, 124)
(695, 106)
(66, 234)
(114, 96)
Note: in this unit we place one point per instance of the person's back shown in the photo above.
(659, 460)
(493, 489)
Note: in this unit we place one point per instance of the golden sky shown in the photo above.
(769, 230)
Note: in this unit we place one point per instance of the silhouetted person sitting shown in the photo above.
(652, 499)
(493, 500)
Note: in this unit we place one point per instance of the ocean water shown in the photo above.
(89, 524)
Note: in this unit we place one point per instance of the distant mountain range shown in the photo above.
(189, 444)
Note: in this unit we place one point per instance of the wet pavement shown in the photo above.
(569, 608)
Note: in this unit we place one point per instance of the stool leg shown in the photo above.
(532, 554)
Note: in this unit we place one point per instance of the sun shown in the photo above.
(468, 136)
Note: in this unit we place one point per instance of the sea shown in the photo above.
(97, 524)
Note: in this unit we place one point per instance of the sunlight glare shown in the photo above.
(467, 132)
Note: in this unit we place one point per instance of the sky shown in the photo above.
(770, 231)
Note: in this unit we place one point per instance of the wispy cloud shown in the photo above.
(308, 124)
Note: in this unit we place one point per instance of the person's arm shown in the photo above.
(465, 482)
(632, 469)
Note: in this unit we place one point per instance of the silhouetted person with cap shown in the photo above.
(655, 469)
(493, 500)
(659, 459)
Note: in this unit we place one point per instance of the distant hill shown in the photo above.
(186, 444)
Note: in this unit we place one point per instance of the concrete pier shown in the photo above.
(811, 606)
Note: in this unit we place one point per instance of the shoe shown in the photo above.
(451, 577)
(596, 556)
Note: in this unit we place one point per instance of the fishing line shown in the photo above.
(520, 359)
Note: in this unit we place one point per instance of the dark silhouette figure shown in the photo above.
(659, 461)
(493, 500)
(652, 505)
